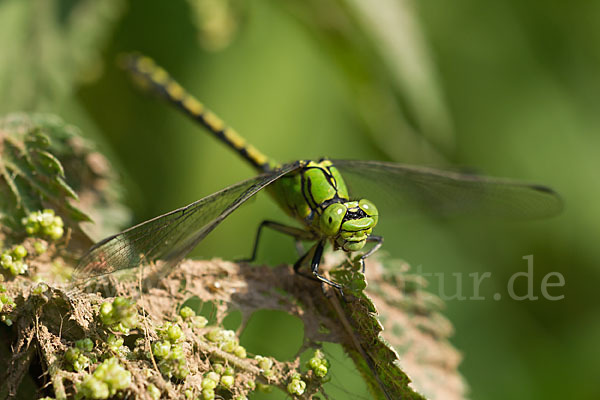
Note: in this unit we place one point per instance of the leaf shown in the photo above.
(377, 361)
(47, 161)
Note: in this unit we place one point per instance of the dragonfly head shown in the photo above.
(350, 223)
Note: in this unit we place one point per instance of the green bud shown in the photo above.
(181, 370)
(227, 381)
(47, 218)
(153, 391)
(19, 252)
(296, 387)
(198, 322)
(54, 232)
(229, 346)
(18, 267)
(106, 310)
(186, 312)
(314, 363)
(93, 388)
(218, 368)
(229, 371)
(40, 289)
(114, 341)
(264, 363)
(320, 371)
(177, 352)
(213, 376)
(57, 221)
(215, 335)
(208, 394)
(72, 354)
(174, 333)
(81, 363)
(240, 352)
(161, 349)
(40, 247)
(208, 383)
(6, 259)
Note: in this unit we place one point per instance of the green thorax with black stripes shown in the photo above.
(317, 196)
(305, 195)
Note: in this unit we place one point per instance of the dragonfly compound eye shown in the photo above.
(332, 218)
(369, 209)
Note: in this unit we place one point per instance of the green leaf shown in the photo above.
(375, 359)
(31, 170)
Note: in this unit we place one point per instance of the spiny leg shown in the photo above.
(378, 242)
(314, 265)
(297, 233)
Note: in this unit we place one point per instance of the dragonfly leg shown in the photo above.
(378, 242)
(297, 233)
(316, 261)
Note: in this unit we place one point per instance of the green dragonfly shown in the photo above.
(314, 193)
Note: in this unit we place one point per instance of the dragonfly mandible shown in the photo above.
(314, 193)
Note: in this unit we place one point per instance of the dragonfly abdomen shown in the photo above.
(152, 76)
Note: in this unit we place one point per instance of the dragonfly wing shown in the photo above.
(446, 192)
(171, 236)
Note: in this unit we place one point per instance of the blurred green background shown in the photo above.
(509, 88)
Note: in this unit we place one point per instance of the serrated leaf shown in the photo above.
(375, 359)
(49, 162)
(60, 182)
(37, 139)
(33, 174)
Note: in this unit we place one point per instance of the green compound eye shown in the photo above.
(369, 209)
(332, 217)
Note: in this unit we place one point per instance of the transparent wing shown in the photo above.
(171, 236)
(446, 192)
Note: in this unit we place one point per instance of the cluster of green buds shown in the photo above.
(265, 364)
(169, 351)
(221, 377)
(44, 223)
(120, 315)
(296, 386)
(108, 378)
(13, 260)
(227, 341)
(318, 364)
(78, 358)
(114, 344)
(6, 305)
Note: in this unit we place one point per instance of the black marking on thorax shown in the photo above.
(312, 203)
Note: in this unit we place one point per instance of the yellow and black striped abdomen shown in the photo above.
(153, 77)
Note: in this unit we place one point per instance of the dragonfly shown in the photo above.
(313, 192)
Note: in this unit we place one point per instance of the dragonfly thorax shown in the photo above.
(349, 223)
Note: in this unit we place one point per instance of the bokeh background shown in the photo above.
(508, 88)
